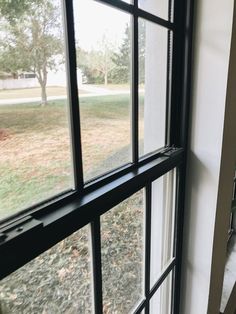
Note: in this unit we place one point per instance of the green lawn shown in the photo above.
(35, 157)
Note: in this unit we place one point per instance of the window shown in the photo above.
(94, 221)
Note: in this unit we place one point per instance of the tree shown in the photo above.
(11, 9)
(142, 50)
(97, 64)
(32, 42)
(123, 59)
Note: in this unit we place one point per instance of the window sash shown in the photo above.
(53, 221)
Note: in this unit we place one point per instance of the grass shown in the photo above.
(35, 149)
(53, 91)
(31, 92)
(34, 92)
(35, 164)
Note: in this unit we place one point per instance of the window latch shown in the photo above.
(168, 151)
(19, 228)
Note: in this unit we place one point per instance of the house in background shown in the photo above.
(29, 79)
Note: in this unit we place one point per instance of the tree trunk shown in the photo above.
(43, 95)
(42, 79)
(105, 79)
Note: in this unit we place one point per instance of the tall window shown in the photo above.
(93, 128)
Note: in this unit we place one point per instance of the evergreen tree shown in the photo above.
(121, 73)
(123, 59)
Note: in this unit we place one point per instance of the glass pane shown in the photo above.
(152, 86)
(58, 281)
(35, 156)
(162, 230)
(122, 255)
(161, 301)
(104, 67)
(156, 7)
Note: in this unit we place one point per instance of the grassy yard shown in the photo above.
(31, 92)
(36, 163)
(54, 91)
(34, 92)
(35, 157)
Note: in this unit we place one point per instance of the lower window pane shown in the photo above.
(161, 301)
(122, 255)
(58, 281)
(162, 234)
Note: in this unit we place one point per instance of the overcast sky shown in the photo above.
(93, 20)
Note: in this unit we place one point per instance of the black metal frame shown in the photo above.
(58, 218)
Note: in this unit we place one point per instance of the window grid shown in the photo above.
(62, 217)
(73, 95)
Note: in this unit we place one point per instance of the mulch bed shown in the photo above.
(59, 280)
(4, 134)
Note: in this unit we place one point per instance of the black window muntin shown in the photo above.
(58, 218)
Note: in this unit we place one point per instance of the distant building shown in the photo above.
(29, 79)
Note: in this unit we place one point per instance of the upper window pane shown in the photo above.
(104, 67)
(35, 156)
(156, 7)
(152, 86)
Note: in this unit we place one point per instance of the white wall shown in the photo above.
(213, 26)
(18, 83)
(58, 78)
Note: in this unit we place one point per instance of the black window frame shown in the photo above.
(59, 217)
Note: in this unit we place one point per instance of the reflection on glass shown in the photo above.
(159, 8)
(152, 86)
(35, 158)
(122, 255)
(162, 231)
(161, 301)
(104, 67)
(58, 281)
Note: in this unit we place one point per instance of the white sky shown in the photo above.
(93, 20)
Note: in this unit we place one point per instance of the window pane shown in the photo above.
(156, 7)
(104, 67)
(161, 301)
(35, 156)
(162, 231)
(152, 86)
(122, 255)
(58, 281)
